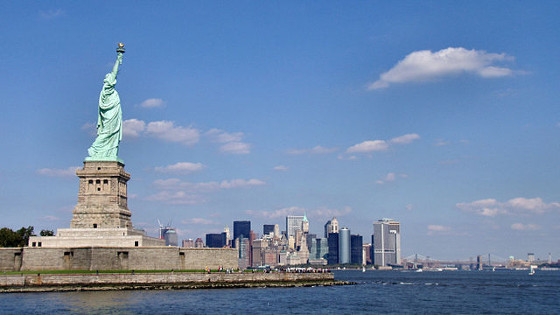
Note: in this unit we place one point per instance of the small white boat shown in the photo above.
(418, 270)
(363, 269)
(532, 270)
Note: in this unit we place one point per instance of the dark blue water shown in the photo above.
(461, 292)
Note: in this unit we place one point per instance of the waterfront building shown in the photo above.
(367, 254)
(216, 240)
(228, 235)
(241, 229)
(387, 242)
(267, 229)
(530, 257)
(344, 249)
(244, 253)
(356, 250)
(319, 251)
(331, 227)
(170, 236)
(309, 239)
(188, 243)
(333, 249)
(293, 223)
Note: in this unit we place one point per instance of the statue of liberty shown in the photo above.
(109, 119)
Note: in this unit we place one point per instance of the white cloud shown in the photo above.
(318, 213)
(369, 146)
(315, 150)
(232, 141)
(438, 228)
(181, 168)
(515, 206)
(382, 145)
(390, 177)
(281, 168)
(51, 14)
(237, 183)
(177, 184)
(152, 103)
(236, 148)
(53, 172)
(133, 127)
(176, 197)
(525, 227)
(166, 130)
(279, 213)
(200, 221)
(221, 136)
(425, 65)
(435, 229)
(405, 139)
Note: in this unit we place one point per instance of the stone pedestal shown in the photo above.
(102, 198)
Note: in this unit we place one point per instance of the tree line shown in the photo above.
(19, 238)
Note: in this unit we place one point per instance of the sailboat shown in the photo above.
(532, 272)
(363, 268)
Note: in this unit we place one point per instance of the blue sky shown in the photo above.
(442, 115)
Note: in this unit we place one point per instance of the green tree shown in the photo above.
(25, 233)
(46, 233)
(9, 238)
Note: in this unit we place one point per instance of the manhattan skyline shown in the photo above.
(443, 116)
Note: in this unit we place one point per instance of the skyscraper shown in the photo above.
(293, 224)
(356, 250)
(331, 227)
(387, 242)
(216, 240)
(241, 229)
(332, 241)
(344, 246)
(267, 229)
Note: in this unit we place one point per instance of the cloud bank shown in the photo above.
(515, 206)
(425, 65)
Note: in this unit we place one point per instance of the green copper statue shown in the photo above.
(109, 120)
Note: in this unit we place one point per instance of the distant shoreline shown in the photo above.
(159, 281)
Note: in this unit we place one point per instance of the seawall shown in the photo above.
(168, 280)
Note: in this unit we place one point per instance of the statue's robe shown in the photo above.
(109, 122)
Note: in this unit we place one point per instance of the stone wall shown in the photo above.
(171, 279)
(10, 259)
(116, 258)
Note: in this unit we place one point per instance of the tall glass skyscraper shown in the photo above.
(387, 242)
(344, 246)
(293, 223)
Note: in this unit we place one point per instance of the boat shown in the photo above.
(363, 269)
(419, 270)
(532, 270)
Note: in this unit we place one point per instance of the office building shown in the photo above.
(267, 229)
(216, 240)
(344, 249)
(188, 243)
(199, 243)
(333, 249)
(241, 229)
(331, 227)
(387, 242)
(293, 223)
(356, 250)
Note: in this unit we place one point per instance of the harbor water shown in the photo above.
(387, 292)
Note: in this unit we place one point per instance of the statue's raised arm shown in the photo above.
(109, 119)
